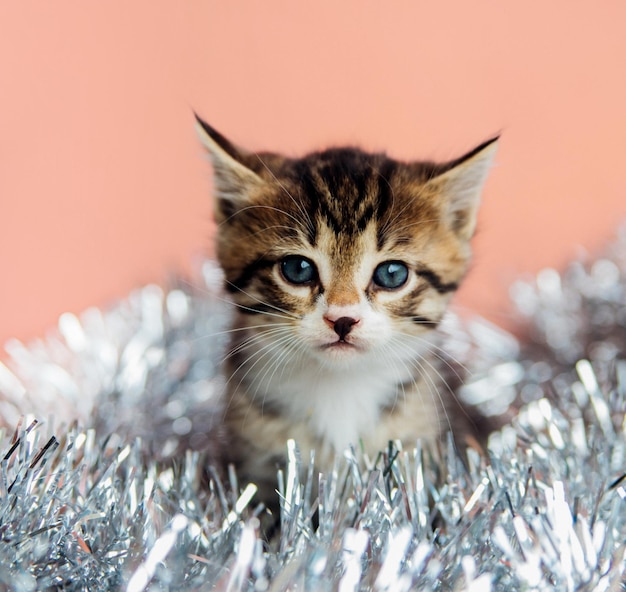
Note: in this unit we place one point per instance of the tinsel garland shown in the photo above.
(116, 500)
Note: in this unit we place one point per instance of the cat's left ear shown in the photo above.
(461, 184)
(234, 179)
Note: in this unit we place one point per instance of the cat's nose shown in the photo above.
(342, 326)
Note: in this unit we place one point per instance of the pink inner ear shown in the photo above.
(463, 185)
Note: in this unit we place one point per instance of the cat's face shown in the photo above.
(343, 255)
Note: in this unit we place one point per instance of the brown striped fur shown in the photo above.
(293, 373)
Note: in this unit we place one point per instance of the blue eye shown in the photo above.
(298, 270)
(391, 275)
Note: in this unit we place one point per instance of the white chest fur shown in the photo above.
(345, 405)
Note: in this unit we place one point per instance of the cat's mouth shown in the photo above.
(340, 345)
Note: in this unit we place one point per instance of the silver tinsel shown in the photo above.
(112, 421)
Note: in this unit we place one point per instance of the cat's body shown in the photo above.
(341, 265)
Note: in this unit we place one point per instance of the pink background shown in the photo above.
(104, 187)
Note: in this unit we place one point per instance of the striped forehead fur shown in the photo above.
(345, 189)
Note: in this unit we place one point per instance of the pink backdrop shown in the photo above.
(103, 185)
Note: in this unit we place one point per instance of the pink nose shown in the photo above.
(342, 326)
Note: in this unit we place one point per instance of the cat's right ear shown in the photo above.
(234, 180)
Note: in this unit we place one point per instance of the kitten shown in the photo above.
(341, 265)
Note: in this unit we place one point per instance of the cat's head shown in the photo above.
(347, 252)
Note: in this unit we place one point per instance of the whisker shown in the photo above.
(420, 363)
(286, 314)
(261, 207)
(398, 214)
(392, 359)
(301, 347)
(250, 341)
(255, 337)
(269, 350)
(259, 354)
(265, 312)
(248, 328)
(440, 353)
(417, 223)
(275, 226)
(429, 382)
(279, 360)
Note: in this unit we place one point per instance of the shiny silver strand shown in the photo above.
(112, 423)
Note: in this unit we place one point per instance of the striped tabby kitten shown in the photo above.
(341, 265)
